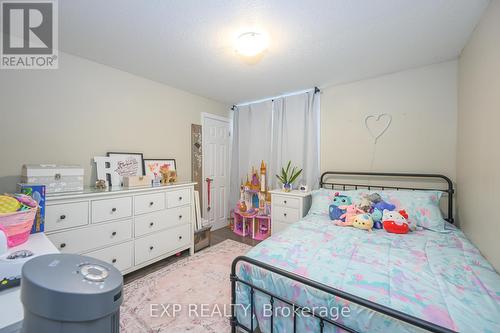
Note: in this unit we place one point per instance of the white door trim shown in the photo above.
(204, 116)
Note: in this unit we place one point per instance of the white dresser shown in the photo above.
(129, 228)
(288, 208)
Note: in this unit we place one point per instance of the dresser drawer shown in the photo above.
(178, 198)
(285, 215)
(164, 219)
(111, 209)
(286, 201)
(149, 223)
(95, 236)
(148, 203)
(66, 215)
(160, 243)
(120, 255)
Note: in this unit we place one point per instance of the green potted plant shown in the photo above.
(288, 176)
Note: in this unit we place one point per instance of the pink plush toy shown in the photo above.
(351, 212)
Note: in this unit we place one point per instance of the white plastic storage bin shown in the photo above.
(56, 178)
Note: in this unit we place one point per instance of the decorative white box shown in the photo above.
(56, 178)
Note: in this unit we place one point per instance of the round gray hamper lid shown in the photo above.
(70, 287)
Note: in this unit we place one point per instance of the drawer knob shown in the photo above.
(62, 217)
(284, 202)
(113, 260)
(113, 209)
(151, 224)
(151, 248)
(180, 217)
(63, 245)
(284, 214)
(113, 233)
(180, 198)
(151, 203)
(180, 237)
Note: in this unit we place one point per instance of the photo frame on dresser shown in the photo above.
(127, 164)
(152, 166)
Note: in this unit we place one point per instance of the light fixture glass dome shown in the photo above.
(251, 43)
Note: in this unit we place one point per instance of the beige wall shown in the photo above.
(479, 136)
(85, 109)
(422, 136)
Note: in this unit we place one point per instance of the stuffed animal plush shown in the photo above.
(334, 210)
(363, 221)
(365, 204)
(374, 198)
(395, 222)
(377, 218)
(165, 174)
(349, 215)
(383, 205)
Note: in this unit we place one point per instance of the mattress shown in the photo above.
(438, 277)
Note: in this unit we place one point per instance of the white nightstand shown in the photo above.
(288, 208)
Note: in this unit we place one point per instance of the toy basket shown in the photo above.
(17, 225)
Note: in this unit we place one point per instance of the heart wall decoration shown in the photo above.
(378, 124)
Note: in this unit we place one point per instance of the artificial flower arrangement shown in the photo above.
(288, 176)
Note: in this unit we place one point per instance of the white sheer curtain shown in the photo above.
(276, 131)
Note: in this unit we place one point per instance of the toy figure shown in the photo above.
(242, 206)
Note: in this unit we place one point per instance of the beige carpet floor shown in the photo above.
(190, 295)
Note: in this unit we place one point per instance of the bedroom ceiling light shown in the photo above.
(251, 43)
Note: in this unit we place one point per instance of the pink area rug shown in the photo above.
(190, 295)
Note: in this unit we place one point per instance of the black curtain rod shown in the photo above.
(316, 90)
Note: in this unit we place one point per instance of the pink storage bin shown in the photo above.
(17, 226)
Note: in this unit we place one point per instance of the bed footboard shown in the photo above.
(322, 320)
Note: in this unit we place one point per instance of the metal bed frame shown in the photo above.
(322, 320)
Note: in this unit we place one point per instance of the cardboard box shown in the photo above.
(37, 192)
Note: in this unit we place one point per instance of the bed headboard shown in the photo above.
(344, 180)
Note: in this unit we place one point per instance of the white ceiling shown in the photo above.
(188, 44)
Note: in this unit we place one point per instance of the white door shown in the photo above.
(216, 142)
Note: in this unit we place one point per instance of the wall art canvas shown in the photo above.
(154, 166)
(126, 164)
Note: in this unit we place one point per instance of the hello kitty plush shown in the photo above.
(395, 222)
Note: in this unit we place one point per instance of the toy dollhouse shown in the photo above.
(252, 216)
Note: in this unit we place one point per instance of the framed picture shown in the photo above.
(126, 164)
(153, 166)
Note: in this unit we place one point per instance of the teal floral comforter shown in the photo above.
(438, 277)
